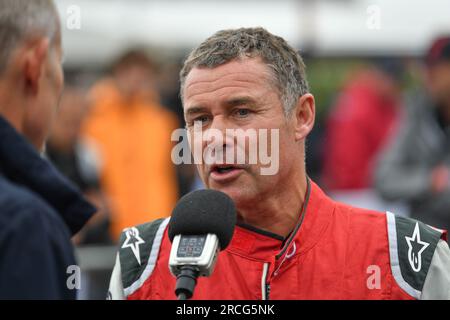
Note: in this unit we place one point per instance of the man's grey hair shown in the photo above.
(224, 46)
(21, 19)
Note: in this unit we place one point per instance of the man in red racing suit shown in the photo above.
(334, 252)
(291, 241)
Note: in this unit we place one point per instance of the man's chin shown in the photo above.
(236, 192)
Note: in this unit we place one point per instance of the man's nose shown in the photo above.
(222, 127)
(219, 123)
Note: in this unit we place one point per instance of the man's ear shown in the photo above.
(304, 115)
(35, 57)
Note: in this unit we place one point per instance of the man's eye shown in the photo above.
(201, 119)
(242, 112)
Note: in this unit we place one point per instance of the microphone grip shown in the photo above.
(182, 296)
(186, 282)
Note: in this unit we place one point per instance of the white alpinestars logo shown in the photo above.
(415, 249)
(133, 241)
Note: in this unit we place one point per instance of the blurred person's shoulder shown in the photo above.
(21, 208)
(163, 119)
(103, 95)
(102, 88)
(170, 118)
(417, 102)
(164, 113)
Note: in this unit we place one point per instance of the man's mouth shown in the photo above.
(224, 172)
(223, 169)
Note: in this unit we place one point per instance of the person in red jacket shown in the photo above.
(361, 121)
(291, 241)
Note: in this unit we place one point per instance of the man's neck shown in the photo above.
(277, 213)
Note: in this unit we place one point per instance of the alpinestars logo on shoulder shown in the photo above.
(415, 248)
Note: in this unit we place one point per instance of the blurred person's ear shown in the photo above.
(34, 63)
(303, 116)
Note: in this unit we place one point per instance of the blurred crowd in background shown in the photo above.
(381, 139)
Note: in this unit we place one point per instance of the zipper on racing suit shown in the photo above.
(265, 287)
(267, 291)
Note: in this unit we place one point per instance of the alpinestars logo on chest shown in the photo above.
(415, 249)
(133, 241)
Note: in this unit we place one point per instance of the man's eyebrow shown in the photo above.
(238, 101)
(194, 110)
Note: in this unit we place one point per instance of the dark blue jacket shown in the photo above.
(39, 212)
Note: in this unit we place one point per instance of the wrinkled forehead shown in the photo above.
(238, 74)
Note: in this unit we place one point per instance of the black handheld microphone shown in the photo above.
(201, 225)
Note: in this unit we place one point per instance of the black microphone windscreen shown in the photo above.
(202, 212)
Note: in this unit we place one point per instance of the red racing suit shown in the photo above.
(334, 252)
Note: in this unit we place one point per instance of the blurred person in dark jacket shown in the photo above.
(416, 167)
(39, 208)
